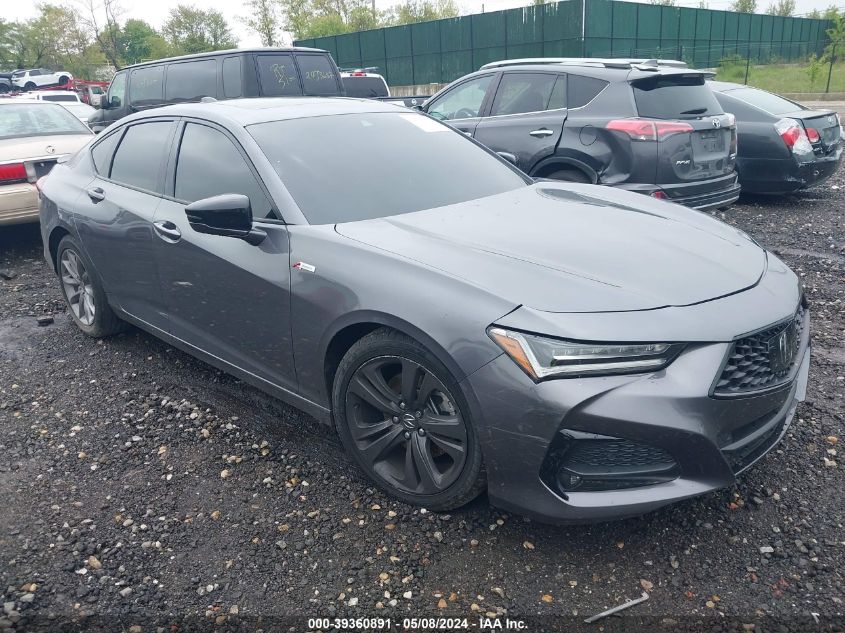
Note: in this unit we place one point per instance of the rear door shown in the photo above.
(526, 116)
(695, 139)
(462, 105)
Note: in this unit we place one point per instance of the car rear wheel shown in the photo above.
(63, 80)
(401, 415)
(29, 86)
(569, 175)
(83, 293)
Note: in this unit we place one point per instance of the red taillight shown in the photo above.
(813, 135)
(794, 136)
(660, 195)
(642, 130)
(12, 172)
(359, 74)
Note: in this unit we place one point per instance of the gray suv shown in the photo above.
(651, 127)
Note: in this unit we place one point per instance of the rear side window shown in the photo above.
(146, 86)
(278, 76)
(191, 81)
(582, 90)
(365, 87)
(210, 165)
(318, 75)
(674, 97)
(102, 153)
(766, 101)
(141, 154)
(232, 77)
(523, 92)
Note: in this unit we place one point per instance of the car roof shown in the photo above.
(230, 51)
(589, 70)
(38, 102)
(727, 86)
(243, 112)
(53, 92)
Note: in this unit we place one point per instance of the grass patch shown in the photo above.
(783, 77)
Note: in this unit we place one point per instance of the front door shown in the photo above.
(462, 106)
(225, 297)
(116, 219)
(526, 117)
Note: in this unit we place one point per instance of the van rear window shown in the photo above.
(366, 87)
(278, 76)
(319, 77)
(683, 96)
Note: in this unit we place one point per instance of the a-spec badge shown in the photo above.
(308, 268)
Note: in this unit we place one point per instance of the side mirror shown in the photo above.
(113, 102)
(228, 215)
(511, 158)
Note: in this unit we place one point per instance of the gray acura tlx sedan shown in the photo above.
(580, 352)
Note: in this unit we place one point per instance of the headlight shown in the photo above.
(541, 357)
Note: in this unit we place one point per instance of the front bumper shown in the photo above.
(710, 439)
(784, 175)
(18, 204)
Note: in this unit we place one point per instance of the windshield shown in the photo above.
(367, 174)
(366, 87)
(674, 97)
(766, 101)
(38, 119)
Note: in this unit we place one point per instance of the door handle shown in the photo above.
(465, 133)
(168, 231)
(96, 194)
(541, 132)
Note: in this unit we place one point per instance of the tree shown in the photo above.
(103, 20)
(743, 6)
(784, 8)
(263, 19)
(189, 29)
(410, 11)
(836, 34)
(665, 3)
(138, 41)
(831, 13)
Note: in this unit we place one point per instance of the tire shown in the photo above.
(83, 292)
(4, 89)
(63, 80)
(569, 175)
(431, 443)
(29, 86)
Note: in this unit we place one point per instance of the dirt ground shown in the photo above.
(142, 490)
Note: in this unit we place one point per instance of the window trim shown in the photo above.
(102, 139)
(173, 164)
(125, 128)
(529, 72)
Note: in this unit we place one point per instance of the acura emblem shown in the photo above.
(51, 149)
(717, 123)
(782, 349)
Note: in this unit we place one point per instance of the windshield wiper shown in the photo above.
(695, 111)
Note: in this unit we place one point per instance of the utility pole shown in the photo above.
(374, 9)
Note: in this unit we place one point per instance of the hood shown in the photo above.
(575, 248)
(38, 146)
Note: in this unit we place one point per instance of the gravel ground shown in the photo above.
(141, 488)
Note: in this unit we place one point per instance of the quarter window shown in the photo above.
(210, 165)
(462, 102)
(318, 76)
(191, 81)
(146, 86)
(523, 92)
(232, 77)
(278, 76)
(102, 153)
(141, 154)
(582, 90)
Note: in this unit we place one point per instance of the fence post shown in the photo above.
(747, 63)
(830, 68)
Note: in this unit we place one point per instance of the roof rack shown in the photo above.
(623, 63)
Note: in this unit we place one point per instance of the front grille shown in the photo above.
(615, 454)
(763, 360)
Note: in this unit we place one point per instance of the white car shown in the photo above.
(34, 135)
(59, 96)
(80, 110)
(40, 78)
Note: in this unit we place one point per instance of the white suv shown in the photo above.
(39, 78)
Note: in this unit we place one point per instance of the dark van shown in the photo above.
(230, 74)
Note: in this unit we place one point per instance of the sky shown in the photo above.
(155, 11)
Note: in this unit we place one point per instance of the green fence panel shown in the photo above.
(427, 68)
(488, 30)
(624, 33)
(524, 26)
(397, 42)
(456, 34)
(372, 46)
(562, 29)
(425, 37)
(648, 30)
(328, 44)
(599, 18)
(400, 71)
(455, 64)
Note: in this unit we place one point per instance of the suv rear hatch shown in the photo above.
(696, 140)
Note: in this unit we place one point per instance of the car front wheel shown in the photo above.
(401, 415)
(83, 293)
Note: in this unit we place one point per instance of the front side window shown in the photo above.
(318, 75)
(523, 92)
(117, 90)
(278, 76)
(147, 86)
(210, 165)
(462, 102)
(191, 81)
(141, 155)
(444, 167)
